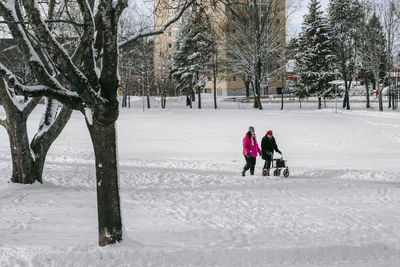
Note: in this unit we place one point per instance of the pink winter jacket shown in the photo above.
(250, 147)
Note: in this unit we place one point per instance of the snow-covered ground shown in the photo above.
(184, 202)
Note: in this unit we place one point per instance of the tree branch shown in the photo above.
(72, 99)
(30, 106)
(63, 61)
(87, 41)
(159, 31)
(28, 49)
(119, 8)
(4, 123)
(49, 132)
(11, 105)
(47, 21)
(5, 96)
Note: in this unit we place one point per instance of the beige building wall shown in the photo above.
(227, 83)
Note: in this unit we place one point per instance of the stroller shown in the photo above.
(280, 163)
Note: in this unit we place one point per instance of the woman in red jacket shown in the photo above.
(250, 151)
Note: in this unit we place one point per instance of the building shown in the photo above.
(229, 82)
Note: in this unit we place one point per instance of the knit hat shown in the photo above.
(251, 129)
(269, 132)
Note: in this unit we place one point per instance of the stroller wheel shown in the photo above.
(265, 172)
(277, 172)
(286, 172)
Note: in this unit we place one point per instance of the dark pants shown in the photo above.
(250, 164)
(268, 160)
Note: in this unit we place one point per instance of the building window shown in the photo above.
(233, 30)
(234, 78)
(278, 21)
(169, 45)
(209, 78)
(169, 33)
(278, 77)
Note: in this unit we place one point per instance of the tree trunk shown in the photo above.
(148, 101)
(163, 97)
(282, 99)
(199, 98)
(300, 102)
(24, 168)
(247, 84)
(367, 91)
(198, 91)
(257, 85)
(215, 91)
(123, 102)
(319, 102)
(104, 141)
(346, 99)
(380, 99)
(255, 104)
(189, 98)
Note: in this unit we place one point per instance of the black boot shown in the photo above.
(243, 172)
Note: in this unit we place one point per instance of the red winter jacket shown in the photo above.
(250, 147)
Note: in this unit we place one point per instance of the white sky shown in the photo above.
(293, 23)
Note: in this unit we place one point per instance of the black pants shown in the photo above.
(268, 160)
(250, 164)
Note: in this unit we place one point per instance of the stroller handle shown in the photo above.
(281, 157)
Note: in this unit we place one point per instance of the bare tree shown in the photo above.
(255, 38)
(91, 71)
(215, 61)
(137, 64)
(376, 54)
(391, 27)
(163, 81)
(28, 158)
(344, 15)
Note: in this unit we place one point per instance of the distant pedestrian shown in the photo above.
(250, 151)
(268, 146)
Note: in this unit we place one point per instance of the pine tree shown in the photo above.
(315, 55)
(344, 16)
(193, 49)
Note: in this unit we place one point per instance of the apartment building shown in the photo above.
(229, 81)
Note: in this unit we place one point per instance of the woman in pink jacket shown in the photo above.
(250, 151)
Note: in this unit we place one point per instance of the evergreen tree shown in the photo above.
(193, 49)
(315, 54)
(365, 72)
(344, 16)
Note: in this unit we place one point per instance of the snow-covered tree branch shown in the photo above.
(181, 9)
